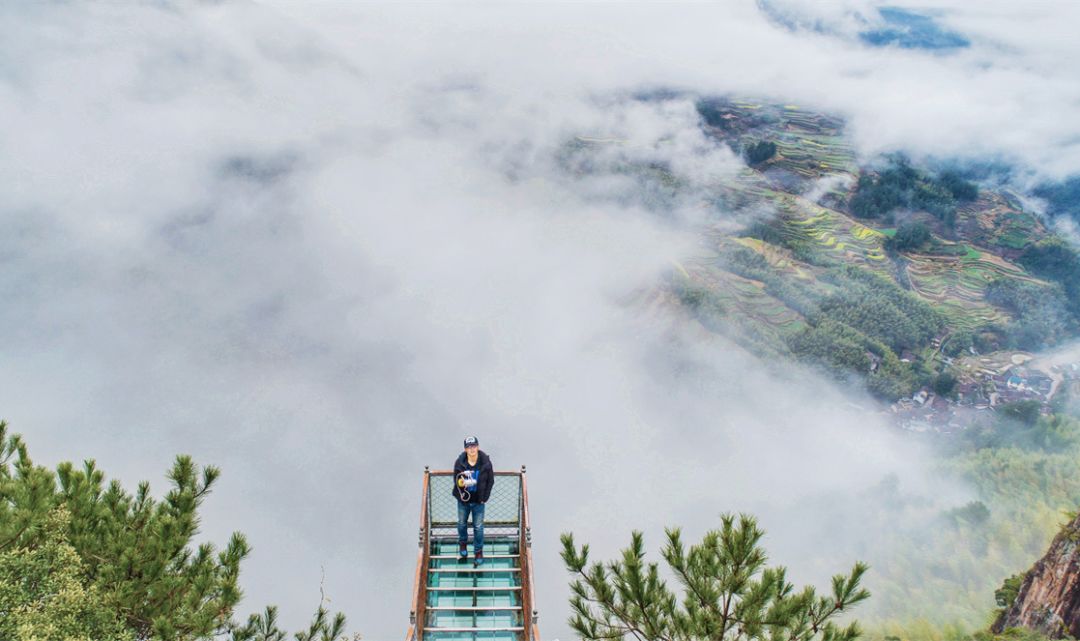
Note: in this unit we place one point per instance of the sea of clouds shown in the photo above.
(316, 244)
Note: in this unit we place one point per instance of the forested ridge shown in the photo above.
(889, 258)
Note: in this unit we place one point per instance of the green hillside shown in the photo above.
(826, 267)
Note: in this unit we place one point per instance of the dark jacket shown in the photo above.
(483, 473)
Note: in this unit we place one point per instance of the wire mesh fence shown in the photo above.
(502, 512)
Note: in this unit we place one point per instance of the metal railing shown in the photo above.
(506, 515)
(417, 614)
(502, 512)
(532, 630)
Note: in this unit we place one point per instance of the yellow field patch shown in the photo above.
(862, 233)
(753, 243)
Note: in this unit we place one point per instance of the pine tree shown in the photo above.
(137, 551)
(44, 593)
(728, 593)
(263, 627)
(133, 555)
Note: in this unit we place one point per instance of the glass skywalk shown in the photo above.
(453, 599)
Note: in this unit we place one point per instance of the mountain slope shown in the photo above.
(880, 274)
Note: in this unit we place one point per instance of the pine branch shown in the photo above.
(729, 594)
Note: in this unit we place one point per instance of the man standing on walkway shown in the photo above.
(473, 480)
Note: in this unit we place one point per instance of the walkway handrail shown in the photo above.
(416, 615)
(532, 632)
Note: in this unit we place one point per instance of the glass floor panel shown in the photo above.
(489, 563)
(485, 580)
(459, 587)
(491, 546)
(471, 636)
(479, 598)
(478, 619)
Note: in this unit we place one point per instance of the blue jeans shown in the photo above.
(477, 511)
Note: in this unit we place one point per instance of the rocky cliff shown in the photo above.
(1049, 597)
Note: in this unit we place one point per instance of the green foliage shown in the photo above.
(933, 583)
(259, 627)
(1062, 198)
(845, 351)
(44, 592)
(751, 264)
(1071, 528)
(719, 112)
(707, 307)
(1041, 313)
(1012, 634)
(1053, 258)
(935, 580)
(881, 309)
(842, 348)
(959, 342)
(902, 186)
(702, 302)
(802, 248)
(974, 513)
(760, 151)
(944, 384)
(114, 564)
(264, 627)
(1022, 426)
(866, 315)
(893, 378)
(1055, 433)
(909, 236)
(868, 318)
(139, 550)
(960, 188)
(855, 331)
(728, 593)
(1026, 412)
(877, 196)
(1010, 588)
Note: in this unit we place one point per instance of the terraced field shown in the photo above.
(993, 221)
(835, 234)
(954, 284)
(810, 144)
(838, 236)
(779, 259)
(957, 285)
(747, 298)
(775, 208)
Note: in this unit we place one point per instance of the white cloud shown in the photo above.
(316, 244)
